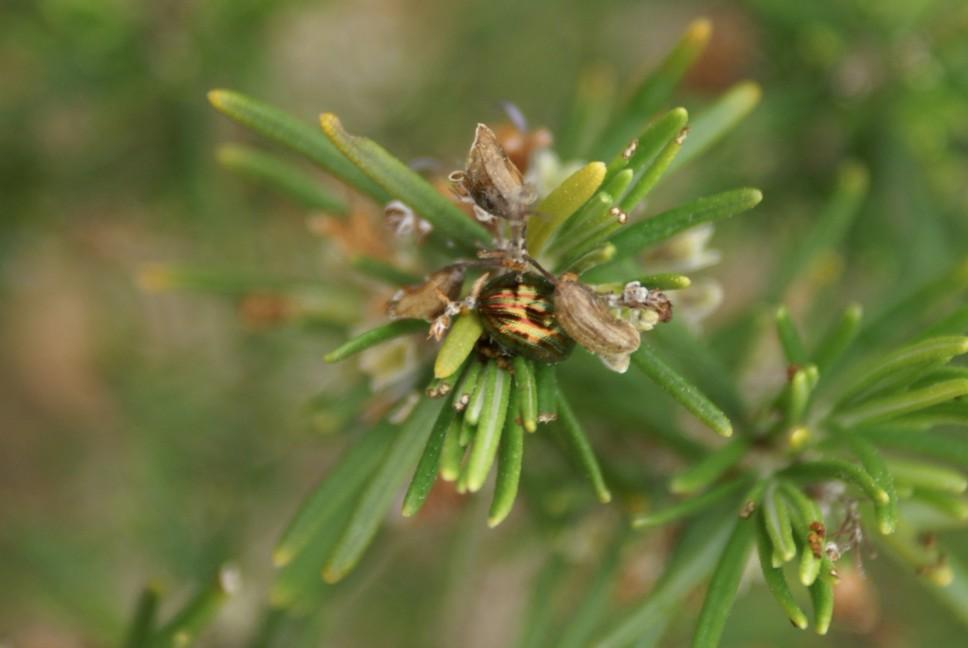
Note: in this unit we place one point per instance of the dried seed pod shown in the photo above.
(586, 318)
(492, 181)
(429, 299)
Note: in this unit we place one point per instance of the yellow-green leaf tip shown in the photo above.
(217, 98)
(699, 31)
(281, 557)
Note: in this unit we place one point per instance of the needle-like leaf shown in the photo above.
(694, 557)
(838, 339)
(724, 585)
(773, 576)
(188, 622)
(654, 90)
(636, 237)
(710, 468)
(526, 389)
(827, 232)
(143, 620)
(877, 468)
(582, 450)
(346, 478)
(458, 344)
(296, 135)
(789, 338)
(546, 381)
(402, 183)
(925, 475)
(497, 392)
(382, 271)
(509, 462)
(822, 596)
(828, 469)
(377, 497)
(888, 407)
(680, 389)
(776, 519)
(688, 507)
(426, 473)
(376, 336)
(711, 124)
(281, 176)
(564, 201)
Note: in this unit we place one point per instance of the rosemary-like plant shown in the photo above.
(507, 278)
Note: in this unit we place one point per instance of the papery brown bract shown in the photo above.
(586, 318)
(492, 180)
(427, 300)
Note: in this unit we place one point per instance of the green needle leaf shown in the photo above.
(497, 392)
(581, 449)
(144, 618)
(829, 469)
(376, 336)
(917, 441)
(710, 125)
(452, 453)
(838, 339)
(586, 234)
(776, 518)
(950, 505)
(877, 468)
(596, 598)
(694, 557)
(468, 383)
(402, 183)
(885, 368)
(561, 203)
(346, 478)
(510, 457)
(458, 344)
(526, 389)
(650, 177)
(724, 585)
(688, 507)
(654, 90)
(829, 230)
(710, 468)
(382, 271)
(426, 473)
(790, 338)
(377, 497)
(889, 407)
(594, 94)
(294, 134)
(634, 238)
(281, 176)
(680, 389)
(546, 380)
(797, 396)
(184, 628)
(822, 596)
(775, 580)
(652, 141)
(806, 512)
(927, 476)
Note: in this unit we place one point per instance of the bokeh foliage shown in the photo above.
(155, 437)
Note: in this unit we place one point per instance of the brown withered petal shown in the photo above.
(659, 302)
(491, 179)
(586, 318)
(427, 300)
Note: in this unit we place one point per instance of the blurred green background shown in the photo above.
(150, 437)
